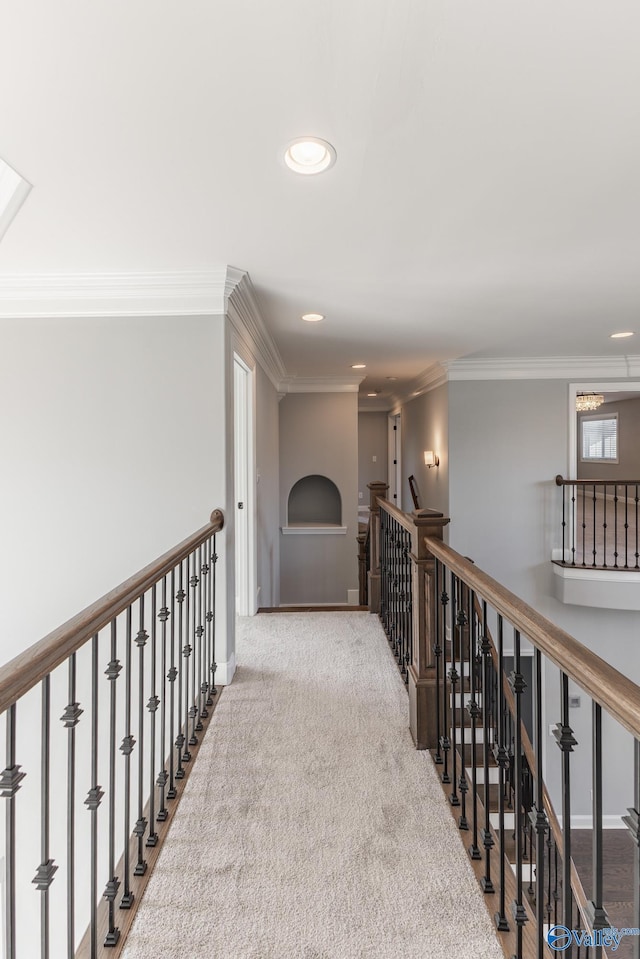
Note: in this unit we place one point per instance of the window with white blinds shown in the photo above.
(599, 438)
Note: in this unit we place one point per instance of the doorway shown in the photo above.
(244, 488)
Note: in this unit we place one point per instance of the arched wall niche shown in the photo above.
(314, 500)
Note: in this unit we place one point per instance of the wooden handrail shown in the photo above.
(616, 693)
(560, 481)
(28, 668)
(405, 519)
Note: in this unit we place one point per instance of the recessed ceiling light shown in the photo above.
(309, 155)
(392, 377)
(358, 366)
(312, 317)
(620, 336)
(372, 394)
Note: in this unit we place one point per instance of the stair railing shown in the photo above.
(103, 719)
(600, 524)
(399, 592)
(492, 743)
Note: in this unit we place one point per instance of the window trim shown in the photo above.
(598, 459)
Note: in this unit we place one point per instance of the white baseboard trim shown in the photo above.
(225, 671)
(586, 822)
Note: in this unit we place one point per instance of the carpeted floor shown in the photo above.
(310, 826)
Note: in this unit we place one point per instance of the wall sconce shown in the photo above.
(430, 459)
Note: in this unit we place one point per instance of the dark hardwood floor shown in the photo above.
(618, 851)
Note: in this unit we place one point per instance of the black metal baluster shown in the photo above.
(93, 800)
(564, 491)
(10, 780)
(172, 674)
(141, 824)
(382, 570)
(604, 527)
(475, 713)
(574, 491)
(538, 816)
(566, 741)
(152, 706)
(200, 638)
(486, 882)
(163, 775)
(594, 526)
(437, 655)
(70, 718)
(453, 679)
(186, 653)
(626, 527)
(193, 709)
(204, 622)
(47, 868)
(409, 605)
(214, 665)
(637, 553)
(112, 672)
(126, 748)
(584, 526)
(501, 757)
(615, 526)
(446, 743)
(210, 615)
(518, 685)
(180, 739)
(596, 913)
(462, 624)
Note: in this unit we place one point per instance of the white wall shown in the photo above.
(268, 491)
(372, 441)
(425, 426)
(507, 442)
(112, 448)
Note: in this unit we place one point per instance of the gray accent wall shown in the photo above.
(267, 490)
(425, 426)
(319, 436)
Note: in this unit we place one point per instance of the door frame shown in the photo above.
(244, 485)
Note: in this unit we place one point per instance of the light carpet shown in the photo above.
(310, 826)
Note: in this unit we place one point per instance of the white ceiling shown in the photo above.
(485, 201)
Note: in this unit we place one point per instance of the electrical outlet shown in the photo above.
(374, 459)
(359, 495)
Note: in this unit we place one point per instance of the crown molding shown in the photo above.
(117, 294)
(320, 384)
(246, 319)
(542, 368)
(430, 379)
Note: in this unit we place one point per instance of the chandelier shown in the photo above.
(588, 401)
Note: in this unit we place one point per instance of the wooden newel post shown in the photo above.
(377, 489)
(422, 673)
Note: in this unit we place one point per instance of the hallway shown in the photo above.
(310, 826)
